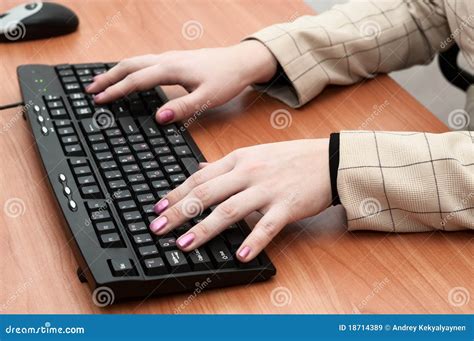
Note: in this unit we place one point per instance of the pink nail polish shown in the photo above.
(244, 252)
(158, 224)
(161, 206)
(166, 115)
(185, 240)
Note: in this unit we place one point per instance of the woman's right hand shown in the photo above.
(212, 76)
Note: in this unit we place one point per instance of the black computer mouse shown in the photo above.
(36, 20)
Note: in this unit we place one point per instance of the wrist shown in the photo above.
(258, 65)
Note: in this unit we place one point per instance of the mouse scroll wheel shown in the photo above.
(31, 6)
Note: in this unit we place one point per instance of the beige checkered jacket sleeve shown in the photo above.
(403, 182)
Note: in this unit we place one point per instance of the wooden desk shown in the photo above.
(323, 268)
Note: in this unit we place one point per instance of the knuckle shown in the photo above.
(197, 178)
(228, 211)
(203, 229)
(126, 64)
(173, 212)
(268, 229)
(182, 106)
(201, 192)
(132, 80)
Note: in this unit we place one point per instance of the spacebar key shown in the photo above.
(190, 164)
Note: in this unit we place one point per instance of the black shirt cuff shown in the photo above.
(334, 166)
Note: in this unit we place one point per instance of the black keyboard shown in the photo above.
(107, 166)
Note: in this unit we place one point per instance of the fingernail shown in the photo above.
(95, 77)
(166, 116)
(244, 252)
(185, 240)
(161, 206)
(158, 224)
(88, 88)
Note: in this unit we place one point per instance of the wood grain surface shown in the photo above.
(321, 268)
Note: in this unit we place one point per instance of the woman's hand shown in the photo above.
(212, 76)
(284, 181)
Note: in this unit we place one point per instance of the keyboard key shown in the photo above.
(131, 168)
(137, 227)
(167, 243)
(117, 184)
(176, 140)
(85, 180)
(71, 139)
(138, 188)
(190, 164)
(142, 239)
(122, 194)
(149, 126)
(177, 179)
(183, 151)
(73, 150)
(58, 114)
(220, 253)
(122, 267)
(200, 260)
(84, 170)
(145, 198)
(170, 169)
(134, 178)
(127, 205)
(235, 238)
(100, 215)
(156, 174)
(160, 184)
(66, 131)
(111, 240)
(164, 150)
(114, 174)
(167, 159)
(147, 251)
(100, 147)
(108, 165)
(132, 216)
(91, 192)
(158, 141)
(128, 125)
(105, 226)
(136, 138)
(177, 261)
(155, 266)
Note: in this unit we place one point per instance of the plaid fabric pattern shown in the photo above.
(403, 182)
(408, 181)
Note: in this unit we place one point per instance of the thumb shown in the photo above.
(182, 107)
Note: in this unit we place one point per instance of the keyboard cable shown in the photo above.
(11, 105)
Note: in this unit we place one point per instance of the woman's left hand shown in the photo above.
(285, 181)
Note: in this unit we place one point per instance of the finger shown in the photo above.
(143, 79)
(265, 230)
(120, 71)
(213, 170)
(182, 107)
(229, 212)
(199, 198)
(203, 164)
